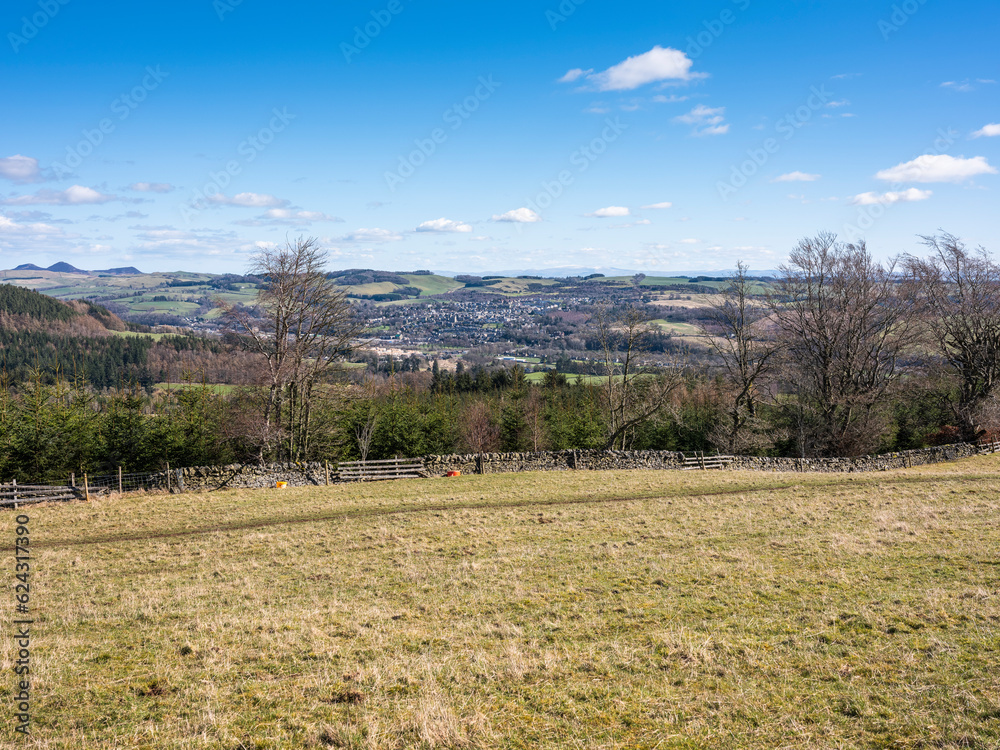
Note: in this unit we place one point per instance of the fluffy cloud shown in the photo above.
(77, 195)
(444, 225)
(374, 235)
(907, 196)
(937, 168)
(659, 64)
(248, 200)
(706, 120)
(658, 206)
(151, 187)
(611, 212)
(34, 229)
(20, 169)
(574, 75)
(797, 177)
(518, 216)
(988, 131)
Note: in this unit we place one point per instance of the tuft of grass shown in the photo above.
(562, 610)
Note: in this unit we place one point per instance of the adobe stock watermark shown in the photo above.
(901, 14)
(364, 35)
(714, 28)
(455, 117)
(123, 106)
(581, 160)
(562, 12)
(786, 126)
(249, 149)
(30, 26)
(870, 212)
(225, 7)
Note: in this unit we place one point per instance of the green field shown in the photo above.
(547, 610)
(680, 329)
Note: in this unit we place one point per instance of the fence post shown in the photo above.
(72, 479)
(120, 480)
(13, 484)
(326, 467)
(86, 488)
(168, 476)
(701, 459)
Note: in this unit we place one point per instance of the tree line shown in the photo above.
(842, 355)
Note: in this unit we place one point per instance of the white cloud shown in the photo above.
(907, 196)
(672, 99)
(9, 226)
(706, 120)
(797, 177)
(657, 206)
(151, 187)
(249, 200)
(937, 168)
(444, 225)
(287, 217)
(574, 75)
(659, 64)
(611, 212)
(20, 169)
(966, 85)
(372, 235)
(518, 216)
(988, 131)
(838, 103)
(77, 195)
(690, 241)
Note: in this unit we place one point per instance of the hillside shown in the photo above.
(41, 337)
(561, 610)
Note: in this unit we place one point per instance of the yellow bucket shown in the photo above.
(281, 485)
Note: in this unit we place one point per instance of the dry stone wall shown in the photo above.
(500, 463)
(201, 478)
(205, 478)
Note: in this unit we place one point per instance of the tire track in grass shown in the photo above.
(357, 513)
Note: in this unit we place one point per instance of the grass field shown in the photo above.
(559, 610)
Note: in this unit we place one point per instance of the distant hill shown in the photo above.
(29, 267)
(126, 271)
(62, 267)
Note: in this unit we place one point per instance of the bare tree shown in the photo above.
(364, 432)
(479, 430)
(747, 350)
(633, 394)
(302, 325)
(844, 327)
(958, 293)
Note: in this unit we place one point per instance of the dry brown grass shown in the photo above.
(575, 610)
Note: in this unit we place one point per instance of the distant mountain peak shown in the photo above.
(29, 267)
(62, 267)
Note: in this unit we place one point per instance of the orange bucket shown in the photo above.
(281, 485)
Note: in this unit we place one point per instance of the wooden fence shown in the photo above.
(700, 461)
(15, 494)
(989, 447)
(393, 468)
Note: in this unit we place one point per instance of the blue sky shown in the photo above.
(492, 136)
